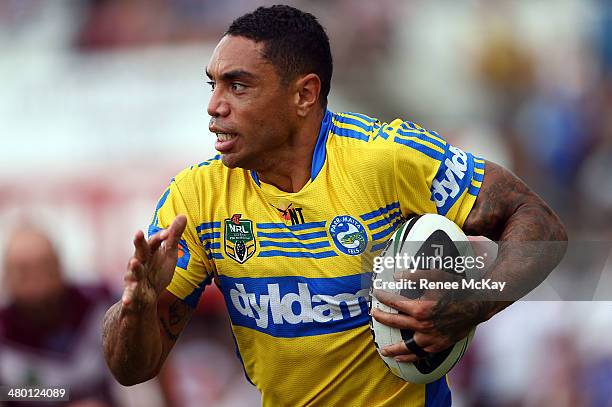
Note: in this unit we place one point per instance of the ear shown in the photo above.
(307, 91)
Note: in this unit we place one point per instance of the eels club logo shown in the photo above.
(348, 234)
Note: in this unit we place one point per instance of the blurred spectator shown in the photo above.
(13, 13)
(115, 23)
(50, 332)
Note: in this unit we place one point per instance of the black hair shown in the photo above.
(294, 42)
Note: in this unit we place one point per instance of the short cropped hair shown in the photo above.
(294, 42)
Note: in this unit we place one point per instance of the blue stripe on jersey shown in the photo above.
(212, 235)
(213, 245)
(295, 306)
(472, 190)
(255, 177)
(303, 226)
(320, 152)
(194, 297)
(378, 131)
(413, 126)
(183, 260)
(378, 246)
(430, 152)
(240, 358)
(207, 239)
(286, 235)
(386, 232)
(380, 211)
(478, 163)
(338, 131)
(160, 203)
(385, 131)
(216, 256)
(384, 221)
(363, 117)
(153, 229)
(271, 225)
(454, 176)
(345, 118)
(208, 225)
(209, 161)
(420, 134)
(306, 255)
(437, 394)
(294, 245)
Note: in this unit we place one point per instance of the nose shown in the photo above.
(218, 106)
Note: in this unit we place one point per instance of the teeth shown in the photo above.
(224, 136)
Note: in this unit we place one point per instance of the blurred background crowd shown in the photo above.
(103, 101)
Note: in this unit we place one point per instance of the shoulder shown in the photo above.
(357, 131)
(357, 137)
(186, 189)
(353, 129)
(194, 174)
(207, 176)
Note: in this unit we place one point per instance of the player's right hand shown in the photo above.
(151, 267)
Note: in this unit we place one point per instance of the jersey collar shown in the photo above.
(320, 153)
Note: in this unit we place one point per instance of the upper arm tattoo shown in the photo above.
(502, 196)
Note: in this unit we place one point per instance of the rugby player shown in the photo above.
(283, 217)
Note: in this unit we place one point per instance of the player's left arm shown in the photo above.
(532, 241)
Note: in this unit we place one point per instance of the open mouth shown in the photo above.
(225, 136)
(225, 142)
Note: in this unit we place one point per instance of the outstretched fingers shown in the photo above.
(141, 247)
(133, 276)
(156, 240)
(175, 231)
(153, 262)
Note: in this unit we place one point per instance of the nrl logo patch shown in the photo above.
(239, 238)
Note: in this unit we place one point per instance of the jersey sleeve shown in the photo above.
(194, 270)
(433, 176)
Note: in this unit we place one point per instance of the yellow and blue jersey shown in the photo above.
(293, 267)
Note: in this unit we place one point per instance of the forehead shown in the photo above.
(235, 53)
(28, 243)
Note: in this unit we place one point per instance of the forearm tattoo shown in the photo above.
(173, 321)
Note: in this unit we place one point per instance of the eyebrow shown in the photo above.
(233, 75)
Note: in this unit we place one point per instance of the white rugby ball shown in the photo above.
(431, 235)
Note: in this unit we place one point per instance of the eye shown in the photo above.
(212, 85)
(238, 87)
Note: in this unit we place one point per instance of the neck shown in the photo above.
(290, 168)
